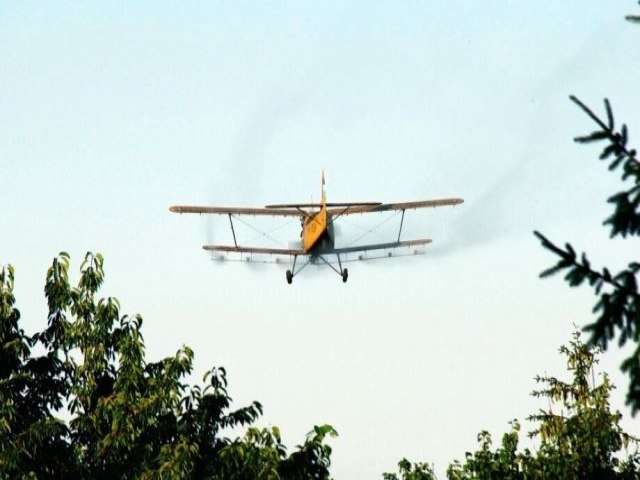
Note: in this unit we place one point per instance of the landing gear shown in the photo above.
(343, 272)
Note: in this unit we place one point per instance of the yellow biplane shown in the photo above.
(317, 222)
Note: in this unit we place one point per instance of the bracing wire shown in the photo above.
(372, 229)
(262, 234)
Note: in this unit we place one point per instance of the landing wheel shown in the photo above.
(345, 275)
(290, 277)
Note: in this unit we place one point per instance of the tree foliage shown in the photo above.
(618, 304)
(505, 462)
(580, 437)
(411, 471)
(90, 405)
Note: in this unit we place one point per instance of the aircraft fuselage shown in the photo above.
(317, 228)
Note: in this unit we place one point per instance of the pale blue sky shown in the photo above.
(112, 112)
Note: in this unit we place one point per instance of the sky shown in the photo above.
(111, 112)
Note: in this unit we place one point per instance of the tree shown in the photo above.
(411, 471)
(260, 454)
(580, 437)
(618, 304)
(33, 442)
(127, 418)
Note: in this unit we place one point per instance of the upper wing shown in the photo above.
(276, 212)
(318, 205)
(273, 251)
(384, 207)
(346, 209)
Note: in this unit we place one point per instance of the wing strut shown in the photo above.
(234, 232)
(340, 213)
(401, 222)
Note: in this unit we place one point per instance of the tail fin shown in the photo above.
(324, 195)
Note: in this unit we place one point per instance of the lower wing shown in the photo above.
(376, 246)
(271, 251)
(331, 251)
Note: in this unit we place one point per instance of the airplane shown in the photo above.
(317, 228)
